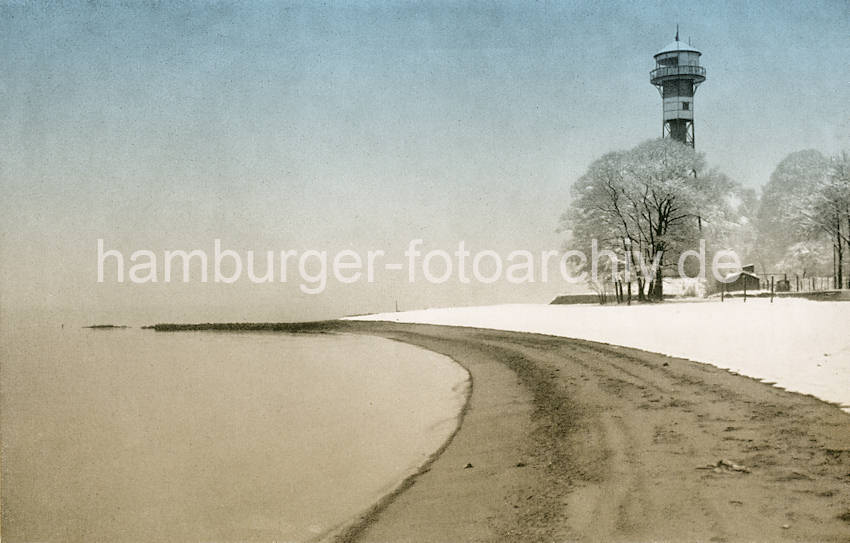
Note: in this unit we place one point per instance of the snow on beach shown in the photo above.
(798, 344)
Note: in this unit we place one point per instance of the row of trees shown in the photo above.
(655, 201)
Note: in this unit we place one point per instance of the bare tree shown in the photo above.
(814, 207)
(651, 201)
(827, 210)
(795, 177)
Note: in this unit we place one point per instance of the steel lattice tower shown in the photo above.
(677, 75)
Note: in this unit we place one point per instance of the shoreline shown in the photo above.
(350, 530)
(762, 464)
(573, 440)
(514, 411)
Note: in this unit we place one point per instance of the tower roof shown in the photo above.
(677, 46)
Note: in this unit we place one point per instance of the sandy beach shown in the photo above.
(571, 440)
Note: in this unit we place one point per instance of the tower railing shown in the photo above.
(682, 69)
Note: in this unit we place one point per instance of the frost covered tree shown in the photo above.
(793, 179)
(599, 212)
(805, 205)
(649, 203)
(741, 233)
(825, 212)
(807, 258)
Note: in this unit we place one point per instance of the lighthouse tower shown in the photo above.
(677, 75)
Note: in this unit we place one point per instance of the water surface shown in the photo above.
(134, 435)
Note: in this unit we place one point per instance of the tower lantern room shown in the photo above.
(677, 75)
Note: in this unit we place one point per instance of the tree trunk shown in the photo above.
(659, 285)
(848, 241)
(834, 262)
(836, 243)
(839, 277)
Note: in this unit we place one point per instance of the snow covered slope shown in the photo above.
(800, 345)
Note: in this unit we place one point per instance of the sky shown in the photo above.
(361, 125)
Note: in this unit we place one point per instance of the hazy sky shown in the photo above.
(362, 125)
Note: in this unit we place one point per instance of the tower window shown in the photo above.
(686, 106)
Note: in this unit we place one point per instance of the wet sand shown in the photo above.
(569, 440)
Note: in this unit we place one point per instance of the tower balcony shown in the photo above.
(683, 71)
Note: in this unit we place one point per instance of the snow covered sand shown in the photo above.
(800, 345)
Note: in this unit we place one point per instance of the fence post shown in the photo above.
(771, 289)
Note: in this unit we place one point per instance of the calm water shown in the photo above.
(136, 435)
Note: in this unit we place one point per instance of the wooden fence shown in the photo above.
(796, 283)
